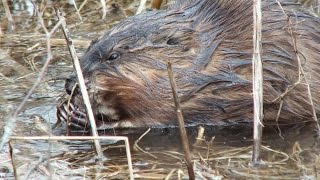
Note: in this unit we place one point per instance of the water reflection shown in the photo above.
(25, 6)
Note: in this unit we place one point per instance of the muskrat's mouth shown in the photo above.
(76, 117)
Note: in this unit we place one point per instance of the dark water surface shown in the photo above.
(223, 152)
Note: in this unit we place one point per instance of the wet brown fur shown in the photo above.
(210, 46)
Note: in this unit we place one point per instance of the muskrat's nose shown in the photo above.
(70, 84)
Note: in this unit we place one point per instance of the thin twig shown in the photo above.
(302, 74)
(82, 4)
(78, 12)
(277, 118)
(287, 91)
(183, 132)
(209, 146)
(104, 9)
(136, 146)
(199, 137)
(68, 105)
(33, 167)
(202, 159)
(10, 125)
(62, 42)
(142, 6)
(257, 75)
(170, 174)
(81, 83)
(9, 16)
(11, 148)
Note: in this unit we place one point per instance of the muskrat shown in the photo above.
(210, 46)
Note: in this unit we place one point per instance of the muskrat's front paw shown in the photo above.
(78, 119)
(73, 116)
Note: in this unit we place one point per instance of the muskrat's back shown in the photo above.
(210, 46)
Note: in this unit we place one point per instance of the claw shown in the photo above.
(79, 120)
(70, 113)
(79, 113)
(76, 126)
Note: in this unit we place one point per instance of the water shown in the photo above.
(222, 152)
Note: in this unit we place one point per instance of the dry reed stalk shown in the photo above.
(104, 9)
(277, 118)
(201, 159)
(1, 33)
(86, 98)
(9, 16)
(10, 125)
(142, 6)
(12, 118)
(302, 75)
(199, 138)
(81, 83)
(11, 159)
(82, 4)
(257, 75)
(183, 132)
(78, 12)
(137, 147)
(68, 105)
(33, 167)
(208, 147)
(170, 174)
(62, 42)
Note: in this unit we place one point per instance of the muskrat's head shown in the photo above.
(126, 69)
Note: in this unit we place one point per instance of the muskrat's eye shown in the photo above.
(173, 41)
(115, 5)
(114, 56)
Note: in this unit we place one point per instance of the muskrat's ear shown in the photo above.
(182, 37)
(93, 42)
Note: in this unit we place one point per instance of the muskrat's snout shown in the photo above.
(70, 85)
